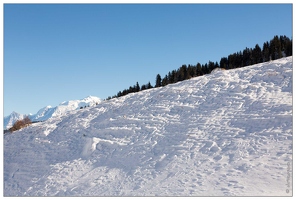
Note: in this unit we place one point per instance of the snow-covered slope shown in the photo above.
(49, 111)
(226, 133)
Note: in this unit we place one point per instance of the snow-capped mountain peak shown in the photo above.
(88, 101)
(49, 111)
(11, 119)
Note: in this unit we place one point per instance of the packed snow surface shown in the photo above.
(222, 134)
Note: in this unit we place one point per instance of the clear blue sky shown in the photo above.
(60, 52)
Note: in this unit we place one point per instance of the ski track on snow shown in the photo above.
(228, 133)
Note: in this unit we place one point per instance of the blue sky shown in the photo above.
(60, 52)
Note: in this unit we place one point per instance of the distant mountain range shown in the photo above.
(49, 111)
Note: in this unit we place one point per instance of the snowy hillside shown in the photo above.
(48, 111)
(223, 134)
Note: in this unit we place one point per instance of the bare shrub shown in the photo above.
(20, 124)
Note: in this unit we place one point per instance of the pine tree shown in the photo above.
(205, 69)
(266, 52)
(198, 69)
(174, 77)
(119, 94)
(289, 48)
(131, 89)
(224, 63)
(211, 65)
(216, 65)
(124, 92)
(275, 48)
(257, 54)
(239, 58)
(169, 77)
(149, 85)
(143, 87)
(246, 58)
(137, 87)
(286, 45)
(191, 71)
(183, 73)
(164, 81)
(158, 80)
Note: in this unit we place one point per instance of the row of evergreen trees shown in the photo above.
(276, 48)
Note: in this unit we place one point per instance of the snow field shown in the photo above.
(228, 133)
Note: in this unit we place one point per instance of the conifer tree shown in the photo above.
(205, 69)
(257, 54)
(216, 65)
(266, 52)
(158, 80)
(239, 59)
(275, 48)
(246, 58)
(211, 66)
(137, 87)
(286, 45)
(119, 94)
(224, 63)
(131, 89)
(191, 71)
(149, 85)
(143, 87)
(170, 78)
(164, 81)
(174, 78)
(198, 69)
(183, 73)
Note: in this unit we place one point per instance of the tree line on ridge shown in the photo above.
(276, 48)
